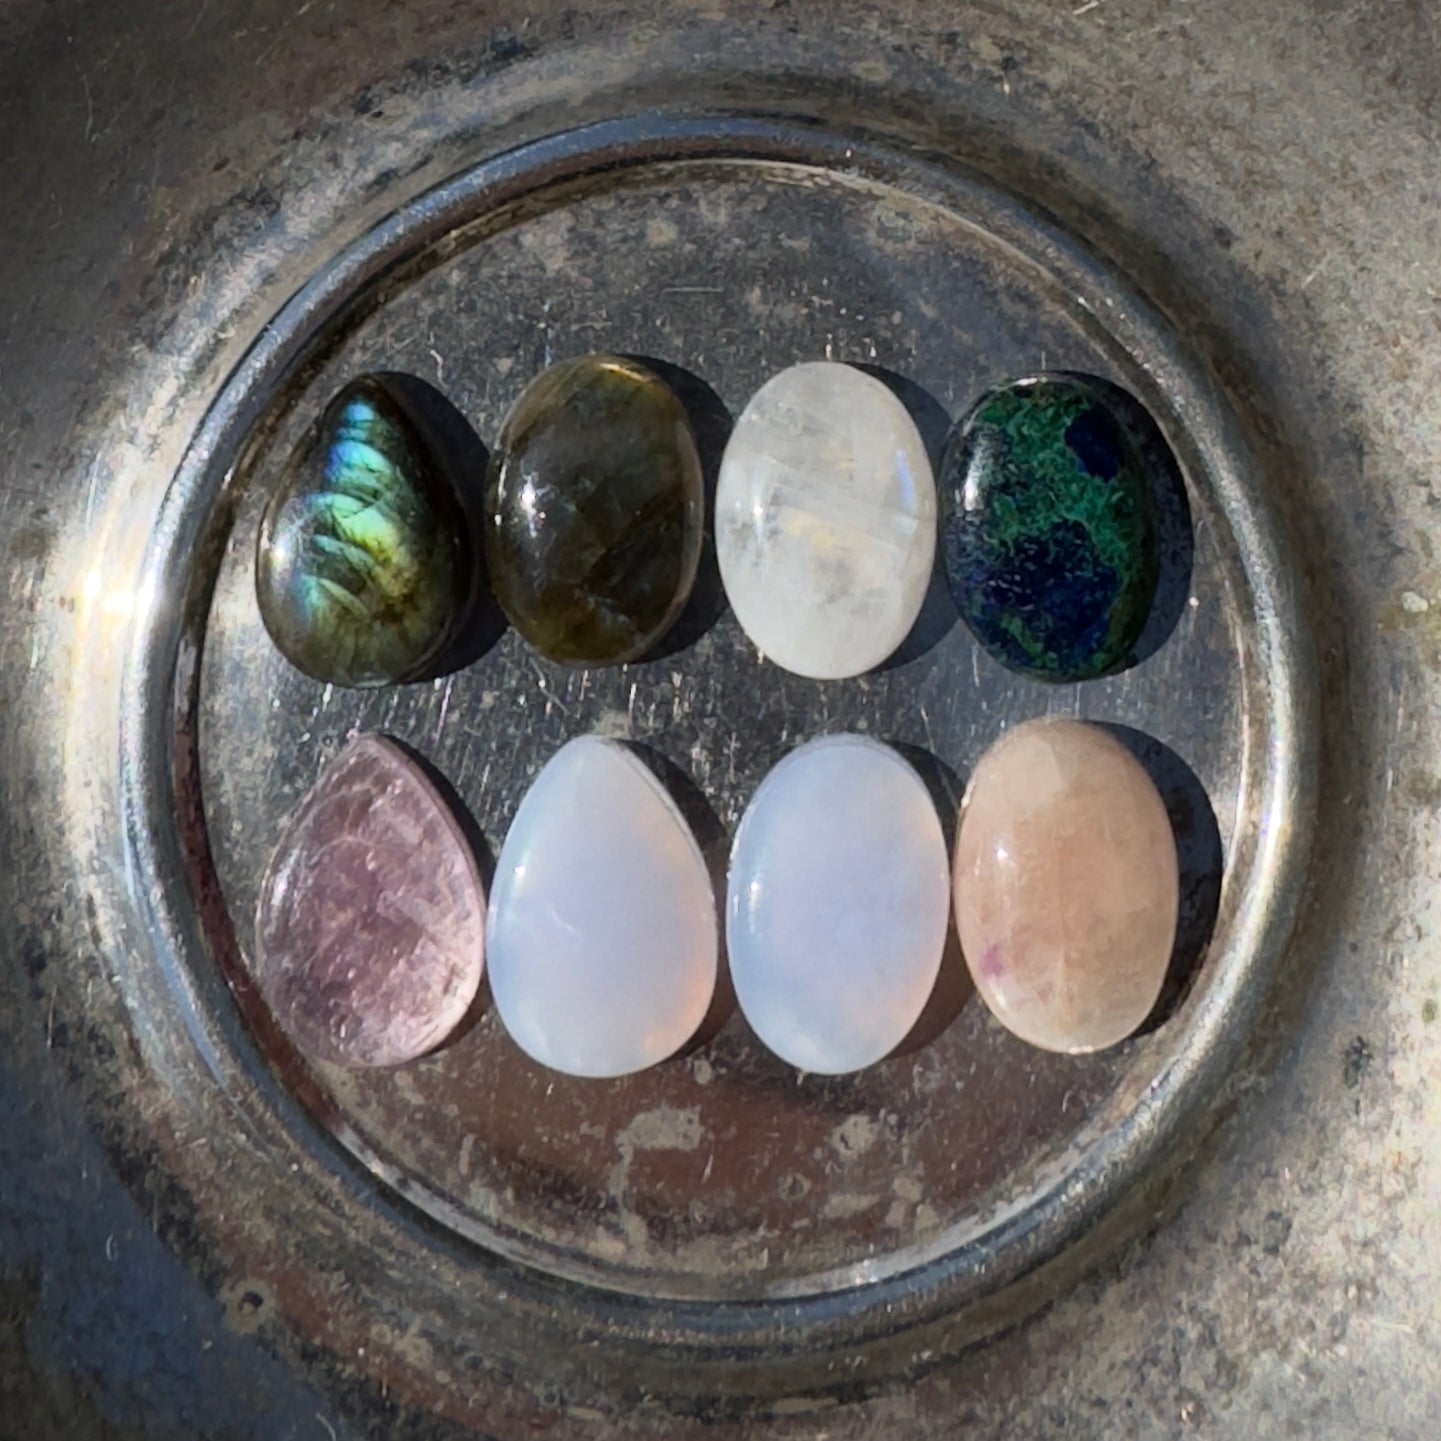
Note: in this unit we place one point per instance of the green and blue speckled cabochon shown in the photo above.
(1049, 532)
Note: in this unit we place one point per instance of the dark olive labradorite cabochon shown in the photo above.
(594, 511)
(366, 567)
(1049, 531)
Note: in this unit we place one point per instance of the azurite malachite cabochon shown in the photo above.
(1049, 531)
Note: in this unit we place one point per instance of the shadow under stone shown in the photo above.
(938, 613)
(466, 461)
(714, 844)
(1201, 860)
(485, 863)
(711, 424)
(1175, 534)
(954, 987)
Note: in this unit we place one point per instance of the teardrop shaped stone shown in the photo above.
(825, 520)
(370, 933)
(837, 904)
(602, 928)
(365, 567)
(1066, 885)
(595, 510)
(1049, 533)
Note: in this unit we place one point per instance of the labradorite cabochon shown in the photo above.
(1049, 530)
(365, 567)
(594, 511)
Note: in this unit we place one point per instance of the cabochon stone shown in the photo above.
(602, 937)
(370, 934)
(1049, 533)
(825, 520)
(595, 510)
(1066, 885)
(365, 569)
(837, 904)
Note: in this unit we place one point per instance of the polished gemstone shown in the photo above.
(365, 567)
(1066, 885)
(602, 937)
(370, 937)
(1049, 533)
(826, 520)
(595, 511)
(837, 904)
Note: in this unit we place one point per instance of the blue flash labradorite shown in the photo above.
(365, 565)
(594, 511)
(1049, 527)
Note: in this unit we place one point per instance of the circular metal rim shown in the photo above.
(162, 663)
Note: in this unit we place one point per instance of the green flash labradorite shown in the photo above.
(365, 566)
(594, 511)
(1048, 527)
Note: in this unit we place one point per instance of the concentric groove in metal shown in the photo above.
(961, 1265)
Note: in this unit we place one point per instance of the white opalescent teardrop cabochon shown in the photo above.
(602, 932)
(837, 904)
(1067, 885)
(826, 520)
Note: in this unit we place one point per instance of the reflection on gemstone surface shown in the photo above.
(1049, 532)
(370, 937)
(595, 511)
(603, 945)
(541, 1174)
(1066, 885)
(826, 520)
(365, 568)
(838, 903)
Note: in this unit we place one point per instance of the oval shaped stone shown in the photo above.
(1049, 533)
(595, 511)
(602, 938)
(825, 520)
(365, 568)
(1066, 885)
(370, 931)
(837, 904)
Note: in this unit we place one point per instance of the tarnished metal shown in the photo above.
(715, 1245)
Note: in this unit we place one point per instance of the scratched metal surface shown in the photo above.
(721, 1173)
(1280, 1277)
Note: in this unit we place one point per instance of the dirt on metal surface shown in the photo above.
(1268, 180)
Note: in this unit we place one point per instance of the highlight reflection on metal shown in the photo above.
(173, 903)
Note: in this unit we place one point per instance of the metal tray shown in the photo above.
(718, 1243)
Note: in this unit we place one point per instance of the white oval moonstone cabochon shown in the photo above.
(837, 904)
(826, 520)
(602, 931)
